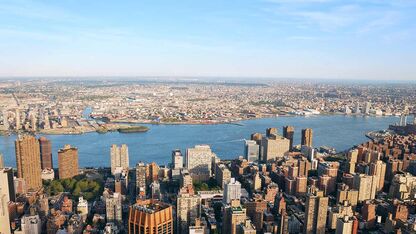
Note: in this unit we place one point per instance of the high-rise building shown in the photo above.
(177, 159)
(288, 133)
(113, 208)
(5, 189)
(367, 108)
(345, 225)
(119, 157)
(199, 162)
(251, 151)
(378, 169)
(232, 191)
(152, 173)
(45, 153)
(6, 175)
(1, 160)
(188, 209)
(222, 174)
(307, 137)
(141, 179)
(274, 147)
(5, 120)
(28, 161)
(150, 217)
(68, 162)
(233, 215)
(366, 186)
(18, 124)
(316, 207)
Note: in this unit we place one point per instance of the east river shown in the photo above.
(226, 140)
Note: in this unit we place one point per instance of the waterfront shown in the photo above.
(226, 140)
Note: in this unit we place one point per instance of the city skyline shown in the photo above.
(326, 39)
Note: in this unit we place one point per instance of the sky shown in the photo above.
(308, 39)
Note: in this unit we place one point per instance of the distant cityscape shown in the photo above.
(64, 107)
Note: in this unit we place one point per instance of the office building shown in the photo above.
(307, 137)
(251, 151)
(199, 162)
(288, 133)
(150, 217)
(316, 207)
(28, 161)
(68, 162)
(45, 153)
(119, 157)
(232, 191)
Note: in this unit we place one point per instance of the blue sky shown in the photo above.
(331, 39)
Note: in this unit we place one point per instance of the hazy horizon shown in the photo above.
(267, 39)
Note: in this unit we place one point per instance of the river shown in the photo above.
(226, 140)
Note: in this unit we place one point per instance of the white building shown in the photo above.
(82, 208)
(199, 161)
(251, 151)
(232, 191)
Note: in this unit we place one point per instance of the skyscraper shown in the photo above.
(232, 191)
(288, 133)
(307, 137)
(141, 179)
(150, 217)
(68, 162)
(45, 153)
(28, 161)
(316, 207)
(119, 157)
(251, 150)
(5, 190)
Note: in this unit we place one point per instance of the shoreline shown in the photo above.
(136, 123)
